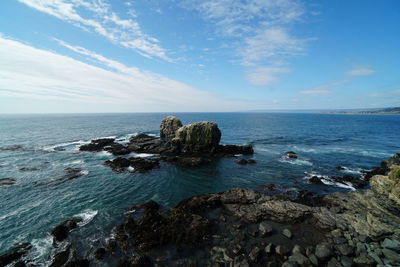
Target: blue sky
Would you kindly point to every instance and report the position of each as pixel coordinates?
(198, 55)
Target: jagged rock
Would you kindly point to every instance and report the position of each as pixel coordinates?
(100, 253)
(61, 231)
(345, 249)
(97, 144)
(7, 181)
(255, 254)
(388, 185)
(169, 126)
(231, 150)
(14, 253)
(117, 149)
(300, 259)
(199, 137)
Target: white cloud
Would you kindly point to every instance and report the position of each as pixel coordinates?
(99, 18)
(259, 31)
(32, 73)
(360, 71)
(324, 88)
(265, 75)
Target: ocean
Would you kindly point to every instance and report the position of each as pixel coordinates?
(37, 149)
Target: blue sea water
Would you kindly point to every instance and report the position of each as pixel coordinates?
(40, 147)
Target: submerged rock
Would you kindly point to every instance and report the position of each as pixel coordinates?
(245, 161)
(291, 155)
(7, 181)
(188, 161)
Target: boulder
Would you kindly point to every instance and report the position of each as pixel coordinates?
(388, 185)
(169, 126)
(16, 252)
(199, 137)
(61, 231)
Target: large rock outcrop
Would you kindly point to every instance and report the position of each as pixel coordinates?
(199, 137)
(169, 126)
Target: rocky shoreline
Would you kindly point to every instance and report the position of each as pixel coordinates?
(238, 227)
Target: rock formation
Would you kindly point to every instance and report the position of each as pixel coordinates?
(169, 126)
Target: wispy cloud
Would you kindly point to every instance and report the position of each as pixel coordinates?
(360, 71)
(32, 73)
(97, 16)
(264, 76)
(260, 31)
(324, 88)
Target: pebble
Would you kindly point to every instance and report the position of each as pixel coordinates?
(268, 249)
(313, 259)
(323, 251)
(333, 263)
(298, 249)
(346, 261)
(281, 250)
(289, 264)
(286, 232)
(299, 258)
(265, 229)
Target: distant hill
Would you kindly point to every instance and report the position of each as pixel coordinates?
(394, 110)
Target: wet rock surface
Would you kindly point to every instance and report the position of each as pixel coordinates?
(14, 253)
(61, 231)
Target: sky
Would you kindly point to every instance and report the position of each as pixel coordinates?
(84, 56)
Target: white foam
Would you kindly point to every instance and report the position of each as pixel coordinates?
(124, 139)
(75, 162)
(349, 170)
(142, 155)
(130, 169)
(40, 248)
(87, 216)
(329, 181)
(84, 172)
(302, 162)
(64, 145)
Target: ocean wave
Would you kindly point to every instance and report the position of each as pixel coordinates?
(87, 216)
(329, 181)
(40, 249)
(62, 146)
(301, 162)
(124, 139)
(75, 162)
(350, 170)
(142, 155)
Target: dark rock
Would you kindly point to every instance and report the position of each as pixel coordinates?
(140, 165)
(282, 250)
(313, 259)
(291, 155)
(346, 261)
(100, 253)
(255, 254)
(140, 261)
(117, 149)
(97, 145)
(391, 255)
(61, 231)
(7, 181)
(323, 251)
(298, 249)
(14, 253)
(72, 173)
(29, 169)
(289, 264)
(299, 259)
(345, 249)
(245, 161)
(341, 168)
(169, 126)
(315, 180)
(61, 257)
(333, 263)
